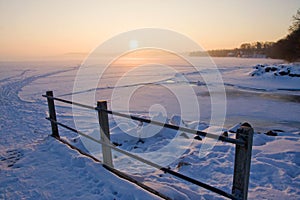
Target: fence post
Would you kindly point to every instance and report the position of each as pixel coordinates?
(104, 132)
(52, 114)
(242, 162)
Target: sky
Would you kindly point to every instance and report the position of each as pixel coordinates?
(39, 28)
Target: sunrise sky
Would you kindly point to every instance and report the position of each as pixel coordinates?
(38, 28)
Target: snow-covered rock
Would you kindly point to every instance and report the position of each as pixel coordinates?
(292, 70)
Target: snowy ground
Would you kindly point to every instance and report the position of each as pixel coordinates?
(35, 166)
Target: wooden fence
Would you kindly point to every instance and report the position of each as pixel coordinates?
(243, 147)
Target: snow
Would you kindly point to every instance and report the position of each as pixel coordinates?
(34, 165)
(52, 171)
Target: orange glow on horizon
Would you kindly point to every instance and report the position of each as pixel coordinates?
(148, 56)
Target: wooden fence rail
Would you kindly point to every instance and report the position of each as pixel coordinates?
(243, 145)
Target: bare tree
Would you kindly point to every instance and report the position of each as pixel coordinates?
(296, 22)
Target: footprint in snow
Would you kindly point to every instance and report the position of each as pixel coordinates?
(11, 157)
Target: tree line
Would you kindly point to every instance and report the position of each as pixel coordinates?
(287, 48)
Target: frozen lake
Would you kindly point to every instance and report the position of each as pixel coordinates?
(264, 103)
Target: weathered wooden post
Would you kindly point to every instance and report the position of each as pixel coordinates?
(104, 132)
(242, 162)
(52, 114)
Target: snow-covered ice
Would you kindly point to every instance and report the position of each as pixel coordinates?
(36, 166)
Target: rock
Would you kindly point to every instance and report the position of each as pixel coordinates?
(140, 141)
(225, 134)
(235, 128)
(267, 69)
(273, 69)
(294, 75)
(117, 144)
(262, 66)
(259, 66)
(197, 137)
(271, 133)
(75, 140)
(278, 130)
(182, 163)
(246, 124)
(283, 72)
